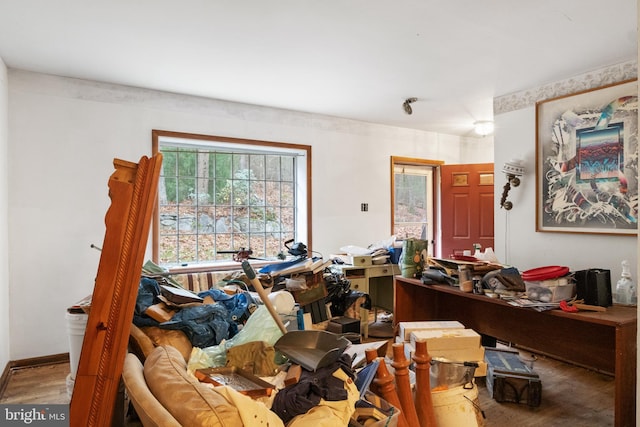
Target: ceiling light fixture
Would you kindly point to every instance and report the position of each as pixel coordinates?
(406, 105)
(483, 127)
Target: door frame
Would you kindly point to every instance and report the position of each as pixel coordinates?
(435, 164)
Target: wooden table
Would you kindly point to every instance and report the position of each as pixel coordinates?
(603, 341)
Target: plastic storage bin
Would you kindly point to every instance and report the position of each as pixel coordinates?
(554, 290)
(387, 411)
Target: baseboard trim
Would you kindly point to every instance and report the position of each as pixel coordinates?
(32, 362)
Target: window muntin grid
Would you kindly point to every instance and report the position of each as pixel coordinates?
(218, 198)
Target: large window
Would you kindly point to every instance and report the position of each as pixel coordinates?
(219, 195)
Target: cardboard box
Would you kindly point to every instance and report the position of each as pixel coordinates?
(481, 370)
(459, 354)
(467, 355)
(405, 328)
(454, 355)
(238, 379)
(447, 339)
(313, 293)
(343, 324)
(318, 310)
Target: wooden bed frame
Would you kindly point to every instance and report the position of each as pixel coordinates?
(133, 190)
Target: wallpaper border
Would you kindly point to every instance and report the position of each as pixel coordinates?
(593, 79)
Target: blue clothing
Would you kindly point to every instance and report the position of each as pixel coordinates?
(148, 291)
(205, 325)
(240, 305)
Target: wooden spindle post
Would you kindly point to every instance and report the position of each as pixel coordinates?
(403, 385)
(423, 402)
(370, 354)
(386, 388)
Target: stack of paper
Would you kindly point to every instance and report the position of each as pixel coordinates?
(380, 256)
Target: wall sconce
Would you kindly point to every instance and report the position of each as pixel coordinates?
(513, 169)
(483, 128)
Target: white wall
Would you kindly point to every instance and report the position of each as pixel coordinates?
(64, 134)
(477, 150)
(4, 227)
(517, 241)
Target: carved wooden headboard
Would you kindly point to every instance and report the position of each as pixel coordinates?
(133, 190)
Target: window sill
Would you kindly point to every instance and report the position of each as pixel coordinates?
(217, 266)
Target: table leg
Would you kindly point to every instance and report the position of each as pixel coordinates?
(625, 377)
(364, 322)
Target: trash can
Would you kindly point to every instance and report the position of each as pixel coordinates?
(457, 406)
(76, 325)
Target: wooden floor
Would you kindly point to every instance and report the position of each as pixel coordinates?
(571, 396)
(39, 385)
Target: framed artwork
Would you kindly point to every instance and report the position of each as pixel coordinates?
(587, 161)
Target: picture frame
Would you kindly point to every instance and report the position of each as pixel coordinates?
(587, 161)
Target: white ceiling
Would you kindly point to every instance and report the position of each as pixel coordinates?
(356, 59)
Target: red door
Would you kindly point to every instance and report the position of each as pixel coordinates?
(466, 193)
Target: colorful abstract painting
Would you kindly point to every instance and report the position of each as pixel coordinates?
(587, 161)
